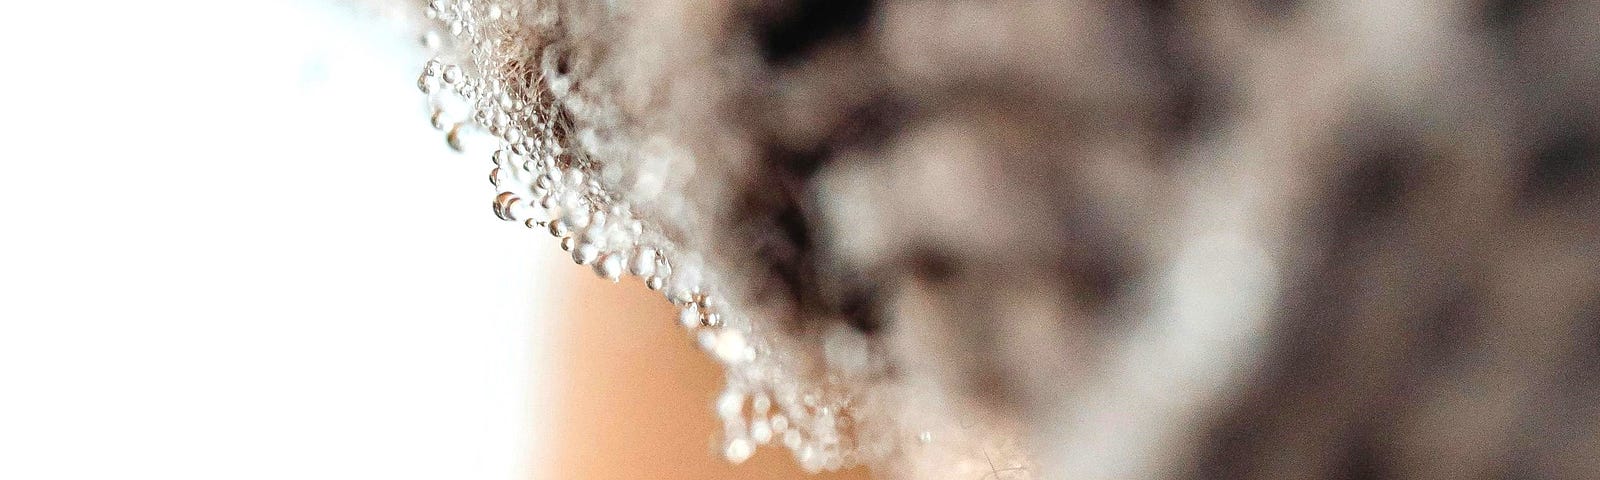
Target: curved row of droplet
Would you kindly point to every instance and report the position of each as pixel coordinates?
(543, 184)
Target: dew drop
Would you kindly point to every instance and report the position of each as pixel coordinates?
(730, 346)
(430, 40)
(503, 204)
(559, 228)
(454, 138)
(791, 438)
(609, 266)
(438, 119)
(810, 459)
(689, 317)
(761, 431)
(707, 340)
(452, 74)
(566, 244)
(643, 262)
(585, 253)
(653, 283)
(730, 404)
(738, 450)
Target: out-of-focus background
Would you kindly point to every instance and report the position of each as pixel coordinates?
(234, 248)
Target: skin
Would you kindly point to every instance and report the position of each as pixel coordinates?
(636, 400)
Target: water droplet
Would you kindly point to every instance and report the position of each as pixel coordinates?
(559, 228)
(706, 340)
(810, 459)
(438, 120)
(689, 317)
(430, 40)
(643, 262)
(609, 266)
(730, 346)
(791, 438)
(452, 74)
(566, 244)
(503, 204)
(780, 423)
(738, 450)
(494, 177)
(925, 437)
(760, 404)
(761, 431)
(585, 253)
(454, 138)
(730, 404)
(653, 283)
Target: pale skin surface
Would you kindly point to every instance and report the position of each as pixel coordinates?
(636, 397)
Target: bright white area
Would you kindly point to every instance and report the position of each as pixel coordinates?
(232, 248)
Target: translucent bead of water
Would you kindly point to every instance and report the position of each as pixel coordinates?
(761, 431)
(730, 405)
(439, 119)
(559, 228)
(810, 458)
(503, 204)
(643, 262)
(454, 138)
(792, 439)
(452, 74)
(609, 266)
(730, 346)
(689, 317)
(738, 450)
(585, 253)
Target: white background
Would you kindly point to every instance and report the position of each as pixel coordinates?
(232, 247)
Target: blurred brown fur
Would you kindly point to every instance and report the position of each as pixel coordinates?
(1235, 239)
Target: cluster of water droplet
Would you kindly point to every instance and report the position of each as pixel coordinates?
(505, 86)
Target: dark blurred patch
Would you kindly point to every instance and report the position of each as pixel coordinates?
(1583, 369)
(803, 25)
(1442, 337)
(1371, 192)
(1563, 165)
(1362, 459)
(1504, 14)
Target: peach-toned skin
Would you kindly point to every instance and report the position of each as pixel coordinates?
(635, 401)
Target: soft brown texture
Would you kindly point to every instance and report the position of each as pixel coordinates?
(1178, 239)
